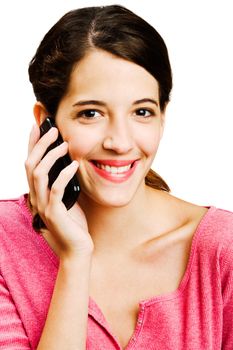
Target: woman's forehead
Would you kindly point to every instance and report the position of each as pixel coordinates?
(101, 72)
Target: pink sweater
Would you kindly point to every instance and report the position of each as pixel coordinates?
(197, 316)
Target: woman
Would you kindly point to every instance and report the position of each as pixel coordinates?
(129, 266)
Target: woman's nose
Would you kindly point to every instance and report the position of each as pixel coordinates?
(118, 138)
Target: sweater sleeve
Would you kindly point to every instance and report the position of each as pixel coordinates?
(12, 333)
(227, 293)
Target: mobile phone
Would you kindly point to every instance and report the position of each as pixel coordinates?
(72, 189)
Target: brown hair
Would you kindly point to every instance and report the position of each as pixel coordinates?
(114, 29)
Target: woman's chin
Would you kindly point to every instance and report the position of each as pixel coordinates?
(117, 203)
(115, 199)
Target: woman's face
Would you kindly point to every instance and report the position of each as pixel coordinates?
(112, 121)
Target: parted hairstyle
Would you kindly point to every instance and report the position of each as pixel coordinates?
(112, 28)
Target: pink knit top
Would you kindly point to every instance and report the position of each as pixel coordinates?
(197, 316)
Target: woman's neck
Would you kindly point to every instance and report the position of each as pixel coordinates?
(122, 227)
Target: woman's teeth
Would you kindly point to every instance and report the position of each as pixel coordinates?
(113, 169)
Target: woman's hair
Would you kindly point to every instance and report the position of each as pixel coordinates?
(114, 29)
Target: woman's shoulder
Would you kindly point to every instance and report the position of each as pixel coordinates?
(209, 217)
(216, 226)
(213, 233)
(221, 220)
(211, 224)
(8, 203)
(14, 211)
(212, 240)
(218, 235)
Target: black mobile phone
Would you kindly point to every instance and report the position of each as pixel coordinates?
(72, 189)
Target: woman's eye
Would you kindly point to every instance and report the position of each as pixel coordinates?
(89, 114)
(143, 112)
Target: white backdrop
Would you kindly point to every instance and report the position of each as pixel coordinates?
(195, 155)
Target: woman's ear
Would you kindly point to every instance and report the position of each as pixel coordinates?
(40, 113)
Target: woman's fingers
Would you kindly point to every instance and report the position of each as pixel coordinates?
(68, 228)
(36, 149)
(40, 175)
(39, 148)
(33, 138)
(58, 188)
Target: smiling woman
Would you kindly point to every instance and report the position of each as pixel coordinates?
(126, 127)
(128, 266)
(50, 84)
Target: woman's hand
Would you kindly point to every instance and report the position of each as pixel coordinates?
(67, 230)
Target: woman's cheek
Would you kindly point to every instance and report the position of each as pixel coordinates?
(148, 141)
(81, 145)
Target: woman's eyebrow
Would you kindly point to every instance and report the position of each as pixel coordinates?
(101, 103)
(89, 102)
(146, 100)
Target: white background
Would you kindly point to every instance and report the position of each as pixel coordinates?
(195, 155)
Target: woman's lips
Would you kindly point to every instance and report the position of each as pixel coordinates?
(114, 162)
(114, 170)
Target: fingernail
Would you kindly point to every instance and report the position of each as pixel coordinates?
(53, 129)
(74, 163)
(34, 126)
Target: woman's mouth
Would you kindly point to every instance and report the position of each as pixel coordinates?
(114, 170)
